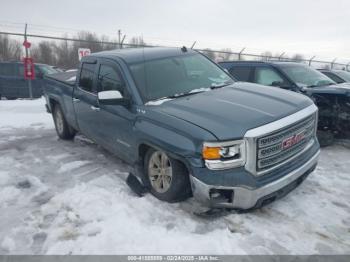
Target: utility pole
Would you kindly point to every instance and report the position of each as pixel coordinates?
(29, 81)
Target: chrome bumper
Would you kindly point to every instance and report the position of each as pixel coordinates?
(246, 198)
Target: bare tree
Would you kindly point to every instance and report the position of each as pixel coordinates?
(9, 49)
(225, 54)
(136, 41)
(45, 53)
(266, 56)
(209, 53)
(297, 58)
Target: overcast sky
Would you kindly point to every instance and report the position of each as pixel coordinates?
(309, 27)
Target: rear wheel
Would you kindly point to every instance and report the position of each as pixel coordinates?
(11, 98)
(167, 178)
(63, 129)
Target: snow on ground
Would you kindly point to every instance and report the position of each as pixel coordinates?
(59, 197)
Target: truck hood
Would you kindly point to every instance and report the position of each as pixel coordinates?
(230, 111)
(337, 89)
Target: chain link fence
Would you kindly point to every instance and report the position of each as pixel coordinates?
(63, 51)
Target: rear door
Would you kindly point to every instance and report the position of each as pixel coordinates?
(10, 80)
(85, 101)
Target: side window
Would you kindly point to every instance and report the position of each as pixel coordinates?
(334, 77)
(7, 69)
(109, 79)
(87, 77)
(241, 73)
(268, 77)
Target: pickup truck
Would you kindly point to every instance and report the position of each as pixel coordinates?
(332, 99)
(12, 82)
(186, 127)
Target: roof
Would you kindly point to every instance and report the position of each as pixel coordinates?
(20, 62)
(135, 55)
(262, 62)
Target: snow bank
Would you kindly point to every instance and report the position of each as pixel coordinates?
(70, 197)
(24, 113)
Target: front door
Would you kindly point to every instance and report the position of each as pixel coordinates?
(116, 121)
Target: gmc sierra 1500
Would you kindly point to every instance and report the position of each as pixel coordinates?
(187, 127)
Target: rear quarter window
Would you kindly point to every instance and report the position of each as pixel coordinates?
(241, 73)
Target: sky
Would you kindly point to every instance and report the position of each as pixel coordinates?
(308, 27)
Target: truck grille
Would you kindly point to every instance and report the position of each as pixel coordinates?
(280, 146)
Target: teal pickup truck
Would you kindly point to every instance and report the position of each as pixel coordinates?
(186, 127)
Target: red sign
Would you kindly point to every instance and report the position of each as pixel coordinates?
(293, 140)
(27, 44)
(29, 72)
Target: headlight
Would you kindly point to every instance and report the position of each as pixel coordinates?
(223, 155)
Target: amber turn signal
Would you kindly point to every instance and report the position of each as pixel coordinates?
(209, 153)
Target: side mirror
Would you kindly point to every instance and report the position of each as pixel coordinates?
(112, 97)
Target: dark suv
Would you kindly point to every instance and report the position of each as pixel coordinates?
(12, 82)
(332, 99)
(338, 76)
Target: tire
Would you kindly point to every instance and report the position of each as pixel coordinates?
(172, 183)
(11, 98)
(325, 138)
(64, 131)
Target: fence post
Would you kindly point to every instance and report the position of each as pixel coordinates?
(280, 57)
(193, 44)
(312, 58)
(240, 53)
(332, 64)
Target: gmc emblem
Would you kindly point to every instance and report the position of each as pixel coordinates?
(293, 140)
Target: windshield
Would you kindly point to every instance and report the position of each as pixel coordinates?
(345, 75)
(305, 76)
(172, 76)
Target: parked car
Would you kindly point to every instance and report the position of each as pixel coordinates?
(338, 76)
(12, 82)
(186, 127)
(333, 100)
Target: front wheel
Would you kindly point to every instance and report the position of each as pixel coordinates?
(168, 178)
(64, 131)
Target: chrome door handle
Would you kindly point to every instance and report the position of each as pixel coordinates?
(94, 108)
(76, 100)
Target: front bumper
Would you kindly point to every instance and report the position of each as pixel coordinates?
(242, 197)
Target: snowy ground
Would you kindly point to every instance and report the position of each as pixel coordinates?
(59, 197)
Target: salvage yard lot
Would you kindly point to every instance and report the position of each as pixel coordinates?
(59, 197)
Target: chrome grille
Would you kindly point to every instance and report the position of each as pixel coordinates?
(276, 148)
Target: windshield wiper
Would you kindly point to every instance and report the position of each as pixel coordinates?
(216, 86)
(328, 84)
(185, 94)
